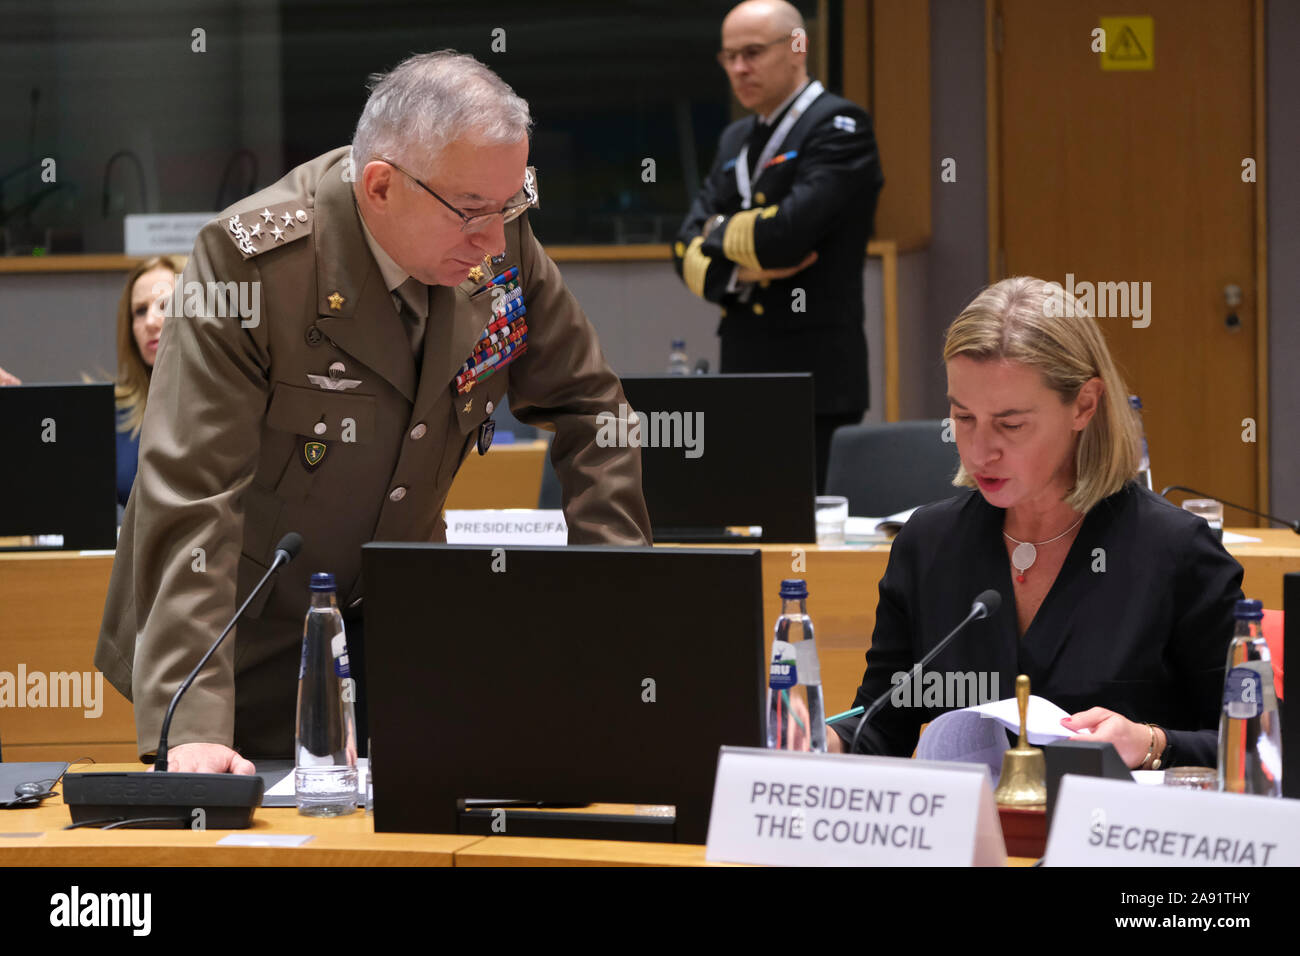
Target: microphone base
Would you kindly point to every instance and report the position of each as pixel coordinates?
(164, 801)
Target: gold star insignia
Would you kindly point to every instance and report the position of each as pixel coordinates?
(476, 274)
(336, 301)
(468, 405)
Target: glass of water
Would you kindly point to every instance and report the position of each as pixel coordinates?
(832, 517)
(1192, 778)
(1210, 510)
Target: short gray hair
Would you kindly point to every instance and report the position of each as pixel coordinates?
(429, 100)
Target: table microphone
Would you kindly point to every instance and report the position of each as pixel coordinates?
(162, 800)
(986, 605)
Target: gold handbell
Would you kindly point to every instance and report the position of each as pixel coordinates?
(1024, 771)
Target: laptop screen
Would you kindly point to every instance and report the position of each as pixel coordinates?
(569, 674)
(60, 473)
(726, 457)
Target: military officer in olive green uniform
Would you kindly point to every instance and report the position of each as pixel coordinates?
(390, 295)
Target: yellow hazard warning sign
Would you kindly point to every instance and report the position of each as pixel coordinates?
(1130, 43)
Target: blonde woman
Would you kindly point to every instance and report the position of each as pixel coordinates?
(1117, 604)
(140, 314)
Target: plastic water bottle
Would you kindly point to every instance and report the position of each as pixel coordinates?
(1144, 466)
(325, 763)
(1250, 734)
(796, 714)
(678, 362)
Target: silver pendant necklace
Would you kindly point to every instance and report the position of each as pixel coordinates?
(1026, 552)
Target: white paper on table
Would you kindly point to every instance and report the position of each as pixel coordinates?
(265, 839)
(978, 734)
(284, 787)
(876, 528)
(1149, 777)
(863, 529)
(1231, 537)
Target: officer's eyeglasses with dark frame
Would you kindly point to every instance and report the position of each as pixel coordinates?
(748, 53)
(520, 203)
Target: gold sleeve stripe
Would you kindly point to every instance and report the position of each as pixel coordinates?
(695, 264)
(738, 240)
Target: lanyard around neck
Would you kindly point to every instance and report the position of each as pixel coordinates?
(810, 93)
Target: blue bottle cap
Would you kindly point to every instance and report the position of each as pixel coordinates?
(322, 581)
(794, 588)
(1250, 610)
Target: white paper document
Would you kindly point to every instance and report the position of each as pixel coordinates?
(1231, 537)
(265, 839)
(875, 529)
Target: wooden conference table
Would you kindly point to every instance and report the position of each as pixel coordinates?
(35, 837)
(51, 604)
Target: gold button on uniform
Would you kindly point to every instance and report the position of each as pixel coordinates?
(397, 494)
(760, 198)
(758, 308)
(418, 431)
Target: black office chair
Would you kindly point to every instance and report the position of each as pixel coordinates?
(507, 422)
(887, 468)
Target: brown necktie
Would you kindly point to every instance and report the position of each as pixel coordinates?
(412, 298)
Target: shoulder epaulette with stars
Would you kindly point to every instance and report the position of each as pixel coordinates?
(254, 231)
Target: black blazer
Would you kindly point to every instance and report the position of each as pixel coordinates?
(1147, 637)
(821, 198)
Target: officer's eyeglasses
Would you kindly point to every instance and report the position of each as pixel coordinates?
(748, 53)
(520, 203)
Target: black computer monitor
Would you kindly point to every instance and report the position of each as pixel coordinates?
(722, 452)
(572, 675)
(60, 473)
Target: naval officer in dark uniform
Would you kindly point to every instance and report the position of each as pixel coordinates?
(778, 232)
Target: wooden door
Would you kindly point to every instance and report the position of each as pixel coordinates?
(1136, 175)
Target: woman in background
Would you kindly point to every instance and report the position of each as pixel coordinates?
(140, 314)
